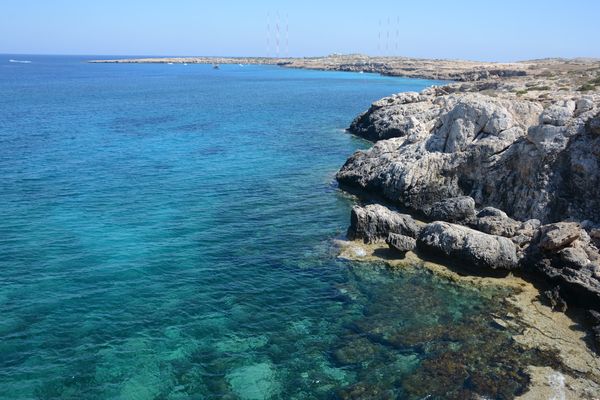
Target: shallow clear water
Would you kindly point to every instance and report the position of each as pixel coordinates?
(166, 233)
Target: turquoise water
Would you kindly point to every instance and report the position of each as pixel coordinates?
(166, 233)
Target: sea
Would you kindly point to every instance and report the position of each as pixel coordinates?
(169, 232)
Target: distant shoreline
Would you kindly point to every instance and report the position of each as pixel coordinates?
(450, 70)
(435, 69)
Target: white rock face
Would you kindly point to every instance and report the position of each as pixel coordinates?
(519, 160)
(469, 246)
(516, 155)
(374, 222)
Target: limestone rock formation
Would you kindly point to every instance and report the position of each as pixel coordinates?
(532, 168)
(566, 256)
(515, 155)
(374, 222)
(558, 236)
(496, 222)
(454, 209)
(468, 245)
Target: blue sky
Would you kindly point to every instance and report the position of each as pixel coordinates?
(482, 30)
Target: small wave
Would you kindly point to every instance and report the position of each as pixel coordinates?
(20, 61)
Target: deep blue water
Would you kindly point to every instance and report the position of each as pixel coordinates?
(166, 233)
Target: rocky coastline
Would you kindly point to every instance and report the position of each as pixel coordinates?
(452, 70)
(499, 180)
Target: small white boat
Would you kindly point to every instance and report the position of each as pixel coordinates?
(170, 63)
(241, 65)
(20, 61)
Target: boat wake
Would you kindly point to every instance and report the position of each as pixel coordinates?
(20, 61)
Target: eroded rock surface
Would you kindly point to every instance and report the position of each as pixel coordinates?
(401, 243)
(531, 168)
(454, 209)
(374, 222)
(468, 245)
(565, 255)
(515, 155)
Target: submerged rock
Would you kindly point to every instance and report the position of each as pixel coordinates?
(354, 352)
(468, 245)
(254, 382)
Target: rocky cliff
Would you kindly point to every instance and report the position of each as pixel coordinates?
(505, 182)
(516, 155)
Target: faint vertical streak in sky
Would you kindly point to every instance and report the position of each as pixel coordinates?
(379, 38)
(277, 34)
(398, 36)
(268, 34)
(287, 35)
(387, 41)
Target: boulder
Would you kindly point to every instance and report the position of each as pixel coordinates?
(574, 257)
(497, 225)
(374, 222)
(566, 256)
(559, 235)
(491, 212)
(468, 245)
(579, 287)
(530, 227)
(583, 105)
(454, 209)
(401, 243)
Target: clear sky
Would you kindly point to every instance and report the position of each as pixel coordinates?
(497, 30)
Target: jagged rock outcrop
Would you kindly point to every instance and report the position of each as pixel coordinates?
(469, 246)
(495, 222)
(515, 155)
(395, 116)
(374, 222)
(527, 165)
(566, 256)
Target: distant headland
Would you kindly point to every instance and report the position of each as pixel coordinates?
(575, 71)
